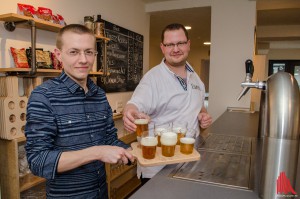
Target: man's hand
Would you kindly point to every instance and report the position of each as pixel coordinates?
(130, 114)
(113, 154)
(205, 120)
(128, 119)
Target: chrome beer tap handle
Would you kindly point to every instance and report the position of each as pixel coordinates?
(247, 84)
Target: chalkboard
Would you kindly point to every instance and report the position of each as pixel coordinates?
(124, 59)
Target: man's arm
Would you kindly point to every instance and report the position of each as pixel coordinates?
(109, 154)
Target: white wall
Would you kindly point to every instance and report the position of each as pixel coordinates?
(129, 14)
(232, 37)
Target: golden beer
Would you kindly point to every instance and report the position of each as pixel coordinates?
(158, 132)
(149, 147)
(180, 133)
(141, 126)
(158, 139)
(168, 143)
(187, 145)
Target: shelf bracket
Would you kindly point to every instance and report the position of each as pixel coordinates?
(11, 26)
(33, 47)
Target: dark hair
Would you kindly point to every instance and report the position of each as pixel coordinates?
(174, 26)
(75, 28)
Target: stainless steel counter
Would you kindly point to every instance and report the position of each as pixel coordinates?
(179, 181)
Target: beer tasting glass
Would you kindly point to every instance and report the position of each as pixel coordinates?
(187, 142)
(159, 129)
(148, 143)
(180, 128)
(141, 126)
(168, 142)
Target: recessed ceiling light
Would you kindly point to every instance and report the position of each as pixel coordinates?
(207, 43)
(188, 27)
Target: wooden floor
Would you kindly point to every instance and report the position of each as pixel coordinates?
(37, 192)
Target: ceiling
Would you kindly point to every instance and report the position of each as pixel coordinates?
(198, 18)
(277, 21)
(277, 25)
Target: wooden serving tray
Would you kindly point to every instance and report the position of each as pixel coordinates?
(162, 160)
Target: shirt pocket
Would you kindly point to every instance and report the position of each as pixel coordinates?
(70, 124)
(72, 132)
(98, 122)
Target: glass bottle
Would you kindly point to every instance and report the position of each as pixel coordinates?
(89, 22)
(99, 26)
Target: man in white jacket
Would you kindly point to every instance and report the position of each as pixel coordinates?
(171, 91)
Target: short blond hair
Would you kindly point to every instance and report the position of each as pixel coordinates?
(75, 28)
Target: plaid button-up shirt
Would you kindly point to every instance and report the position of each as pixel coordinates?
(62, 117)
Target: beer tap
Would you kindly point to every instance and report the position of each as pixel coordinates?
(279, 130)
(247, 84)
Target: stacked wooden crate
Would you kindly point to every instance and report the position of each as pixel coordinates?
(14, 93)
(13, 104)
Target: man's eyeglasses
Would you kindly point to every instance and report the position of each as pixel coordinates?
(179, 45)
(76, 53)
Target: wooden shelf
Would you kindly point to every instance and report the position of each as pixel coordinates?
(102, 38)
(118, 172)
(94, 74)
(124, 184)
(28, 69)
(29, 180)
(39, 23)
(40, 72)
(21, 139)
(122, 191)
(129, 187)
(43, 25)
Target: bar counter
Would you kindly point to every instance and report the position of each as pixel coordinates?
(164, 186)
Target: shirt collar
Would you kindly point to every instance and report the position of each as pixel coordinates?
(73, 86)
(183, 82)
(187, 66)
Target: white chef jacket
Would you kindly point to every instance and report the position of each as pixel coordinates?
(162, 96)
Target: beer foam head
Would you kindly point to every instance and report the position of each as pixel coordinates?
(158, 131)
(141, 121)
(168, 138)
(149, 141)
(187, 140)
(179, 130)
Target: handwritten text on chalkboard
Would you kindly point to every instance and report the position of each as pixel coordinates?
(124, 59)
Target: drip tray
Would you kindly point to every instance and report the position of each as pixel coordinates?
(227, 143)
(217, 168)
(225, 160)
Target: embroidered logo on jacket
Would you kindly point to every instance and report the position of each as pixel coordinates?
(195, 87)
